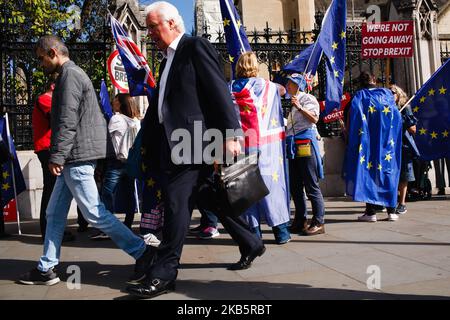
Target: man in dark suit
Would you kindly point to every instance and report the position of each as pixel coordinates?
(192, 93)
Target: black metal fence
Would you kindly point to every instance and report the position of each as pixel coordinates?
(445, 50)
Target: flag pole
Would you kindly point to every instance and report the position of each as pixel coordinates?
(407, 103)
(13, 173)
(136, 197)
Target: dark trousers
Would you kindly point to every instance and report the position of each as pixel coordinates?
(303, 175)
(371, 209)
(49, 183)
(180, 185)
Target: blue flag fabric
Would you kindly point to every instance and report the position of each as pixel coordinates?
(373, 157)
(105, 102)
(331, 42)
(7, 176)
(140, 78)
(236, 38)
(431, 106)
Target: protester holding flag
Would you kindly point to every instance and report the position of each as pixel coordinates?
(372, 161)
(258, 104)
(409, 148)
(79, 137)
(305, 162)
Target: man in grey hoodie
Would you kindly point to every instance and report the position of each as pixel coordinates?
(79, 138)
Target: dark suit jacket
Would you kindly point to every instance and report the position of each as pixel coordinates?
(196, 90)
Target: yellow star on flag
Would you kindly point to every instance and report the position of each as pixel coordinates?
(150, 183)
(361, 131)
(380, 167)
(369, 165)
(274, 122)
(159, 194)
(360, 147)
(442, 90)
(336, 74)
(275, 176)
(422, 100)
(392, 143)
(434, 135)
(231, 58)
(362, 159)
(343, 81)
(226, 22)
(334, 45)
(332, 59)
(343, 34)
(5, 175)
(422, 131)
(239, 24)
(264, 109)
(144, 167)
(5, 186)
(445, 134)
(364, 117)
(431, 92)
(388, 157)
(386, 110)
(416, 109)
(372, 109)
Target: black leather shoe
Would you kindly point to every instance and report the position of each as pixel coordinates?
(246, 261)
(151, 289)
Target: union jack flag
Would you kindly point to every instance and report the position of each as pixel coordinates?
(140, 77)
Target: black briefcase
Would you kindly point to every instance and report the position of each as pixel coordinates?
(233, 189)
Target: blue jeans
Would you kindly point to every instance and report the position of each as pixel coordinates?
(303, 174)
(77, 181)
(281, 232)
(116, 178)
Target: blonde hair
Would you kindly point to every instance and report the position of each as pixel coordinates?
(247, 65)
(402, 96)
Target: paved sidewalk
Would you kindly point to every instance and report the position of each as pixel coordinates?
(412, 256)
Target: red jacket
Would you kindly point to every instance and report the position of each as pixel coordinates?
(41, 122)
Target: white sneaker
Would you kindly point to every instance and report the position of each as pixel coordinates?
(151, 240)
(392, 217)
(367, 218)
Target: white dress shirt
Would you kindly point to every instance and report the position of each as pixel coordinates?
(169, 54)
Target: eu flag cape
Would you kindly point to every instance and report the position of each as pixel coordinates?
(373, 158)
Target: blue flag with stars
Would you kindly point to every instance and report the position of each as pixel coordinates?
(431, 106)
(330, 43)
(7, 187)
(105, 103)
(373, 157)
(237, 42)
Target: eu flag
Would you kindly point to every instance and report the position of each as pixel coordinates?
(7, 186)
(237, 42)
(431, 106)
(373, 157)
(105, 103)
(331, 43)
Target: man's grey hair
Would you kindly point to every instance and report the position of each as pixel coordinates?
(52, 42)
(166, 11)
